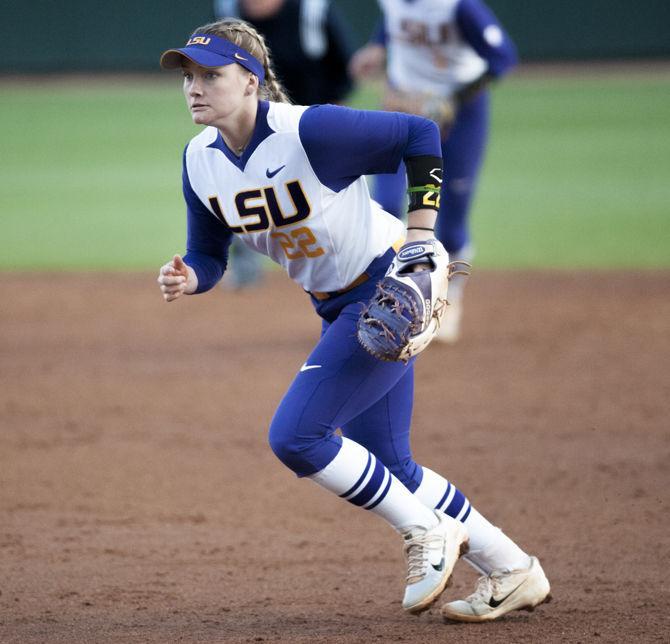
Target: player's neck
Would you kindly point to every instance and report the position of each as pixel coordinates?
(238, 129)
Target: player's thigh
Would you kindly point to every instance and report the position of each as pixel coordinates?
(338, 381)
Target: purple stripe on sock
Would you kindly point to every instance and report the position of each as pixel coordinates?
(372, 486)
(456, 504)
(382, 495)
(444, 498)
(360, 480)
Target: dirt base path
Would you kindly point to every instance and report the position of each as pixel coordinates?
(139, 501)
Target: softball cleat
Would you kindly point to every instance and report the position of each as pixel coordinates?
(501, 592)
(431, 557)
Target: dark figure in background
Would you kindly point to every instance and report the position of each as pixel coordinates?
(309, 43)
(311, 54)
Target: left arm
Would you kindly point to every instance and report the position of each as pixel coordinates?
(343, 144)
(419, 225)
(424, 178)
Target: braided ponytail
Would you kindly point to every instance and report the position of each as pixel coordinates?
(243, 35)
(273, 88)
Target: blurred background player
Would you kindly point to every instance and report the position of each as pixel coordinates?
(440, 57)
(311, 53)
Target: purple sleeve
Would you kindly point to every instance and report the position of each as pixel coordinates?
(485, 35)
(343, 144)
(207, 239)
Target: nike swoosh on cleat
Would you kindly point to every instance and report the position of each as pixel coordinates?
(306, 366)
(270, 174)
(440, 566)
(494, 603)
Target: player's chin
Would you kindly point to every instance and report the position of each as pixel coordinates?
(200, 117)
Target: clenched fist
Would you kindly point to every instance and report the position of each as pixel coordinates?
(176, 278)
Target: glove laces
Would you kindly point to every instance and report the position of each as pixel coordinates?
(458, 267)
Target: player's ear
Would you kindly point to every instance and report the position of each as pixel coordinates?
(252, 85)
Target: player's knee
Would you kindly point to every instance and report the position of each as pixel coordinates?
(293, 448)
(459, 187)
(305, 450)
(284, 446)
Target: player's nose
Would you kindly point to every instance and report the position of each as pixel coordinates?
(194, 88)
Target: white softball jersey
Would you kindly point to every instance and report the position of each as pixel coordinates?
(297, 194)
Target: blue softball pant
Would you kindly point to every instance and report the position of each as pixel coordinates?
(342, 386)
(462, 152)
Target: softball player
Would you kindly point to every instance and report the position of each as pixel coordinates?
(440, 56)
(288, 181)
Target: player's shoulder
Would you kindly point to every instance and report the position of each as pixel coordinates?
(201, 140)
(283, 117)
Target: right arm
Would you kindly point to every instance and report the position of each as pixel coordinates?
(207, 245)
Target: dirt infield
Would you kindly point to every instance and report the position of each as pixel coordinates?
(139, 501)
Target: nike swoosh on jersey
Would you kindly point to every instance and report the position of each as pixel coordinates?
(306, 367)
(269, 174)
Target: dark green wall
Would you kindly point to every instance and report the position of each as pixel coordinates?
(573, 29)
(46, 36)
(93, 34)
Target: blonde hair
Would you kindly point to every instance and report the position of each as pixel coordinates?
(244, 35)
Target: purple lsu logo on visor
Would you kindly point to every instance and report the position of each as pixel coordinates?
(211, 51)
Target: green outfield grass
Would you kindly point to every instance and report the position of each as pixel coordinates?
(577, 175)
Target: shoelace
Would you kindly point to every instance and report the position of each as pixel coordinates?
(416, 551)
(487, 586)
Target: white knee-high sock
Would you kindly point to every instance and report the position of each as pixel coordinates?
(358, 476)
(490, 548)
